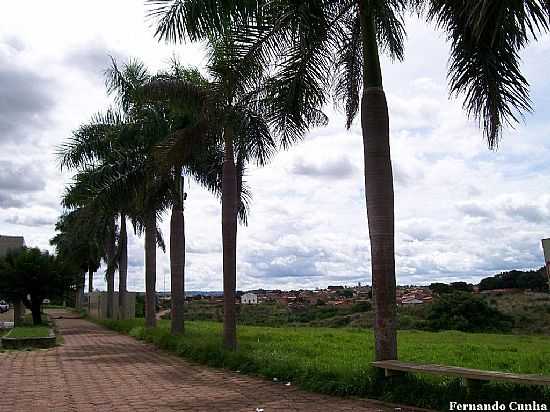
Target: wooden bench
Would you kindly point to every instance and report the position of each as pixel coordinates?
(470, 376)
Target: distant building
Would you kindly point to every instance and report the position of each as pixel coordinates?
(8, 243)
(337, 287)
(249, 299)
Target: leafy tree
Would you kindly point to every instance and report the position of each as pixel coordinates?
(323, 47)
(465, 312)
(345, 293)
(30, 275)
(440, 288)
(462, 286)
(517, 279)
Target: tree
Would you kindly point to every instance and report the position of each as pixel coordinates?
(517, 279)
(128, 176)
(117, 183)
(323, 47)
(79, 241)
(89, 146)
(440, 288)
(466, 312)
(234, 117)
(32, 273)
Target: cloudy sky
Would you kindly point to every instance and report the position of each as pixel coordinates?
(463, 212)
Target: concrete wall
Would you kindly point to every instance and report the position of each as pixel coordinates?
(97, 305)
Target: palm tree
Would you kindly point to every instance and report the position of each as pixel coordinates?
(92, 146)
(119, 151)
(152, 189)
(233, 117)
(324, 47)
(79, 241)
(184, 147)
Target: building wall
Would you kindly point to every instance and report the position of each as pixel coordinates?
(97, 305)
(8, 243)
(249, 299)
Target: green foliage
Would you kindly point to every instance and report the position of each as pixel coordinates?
(345, 293)
(337, 361)
(440, 288)
(465, 312)
(361, 307)
(140, 305)
(79, 238)
(38, 274)
(516, 279)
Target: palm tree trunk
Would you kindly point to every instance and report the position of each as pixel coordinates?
(229, 241)
(379, 192)
(177, 261)
(110, 275)
(36, 307)
(18, 312)
(80, 293)
(123, 270)
(90, 280)
(150, 270)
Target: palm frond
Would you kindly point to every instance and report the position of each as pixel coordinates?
(348, 80)
(179, 20)
(90, 142)
(486, 37)
(390, 28)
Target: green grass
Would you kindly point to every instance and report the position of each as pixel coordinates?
(29, 332)
(337, 361)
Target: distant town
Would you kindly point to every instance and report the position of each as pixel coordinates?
(334, 295)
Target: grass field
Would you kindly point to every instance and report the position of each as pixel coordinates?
(337, 361)
(30, 332)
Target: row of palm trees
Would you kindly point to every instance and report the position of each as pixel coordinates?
(273, 66)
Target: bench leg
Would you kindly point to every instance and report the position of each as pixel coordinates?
(389, 373)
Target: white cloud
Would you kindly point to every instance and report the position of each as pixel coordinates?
(462, 212)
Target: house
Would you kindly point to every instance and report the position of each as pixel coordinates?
(249, 299)
(8, 243)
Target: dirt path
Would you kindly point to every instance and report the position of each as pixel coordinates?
(100, 370)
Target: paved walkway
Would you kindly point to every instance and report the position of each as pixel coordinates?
(100, 370)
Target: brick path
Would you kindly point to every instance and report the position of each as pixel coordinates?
(100, 370)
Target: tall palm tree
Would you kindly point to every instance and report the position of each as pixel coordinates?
(197, 154)
(235, 118)
(138, 198)
(93, 146)
(153, 190)
(323, 47)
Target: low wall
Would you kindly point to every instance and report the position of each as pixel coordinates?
(22, 343)
(97, 305)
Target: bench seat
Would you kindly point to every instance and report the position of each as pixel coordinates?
(392, 366)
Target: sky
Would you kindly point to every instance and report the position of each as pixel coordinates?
(463, 212)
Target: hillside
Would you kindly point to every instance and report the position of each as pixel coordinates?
(529, 313)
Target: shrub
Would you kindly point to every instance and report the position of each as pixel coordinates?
(361, 307)
(465, 312)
